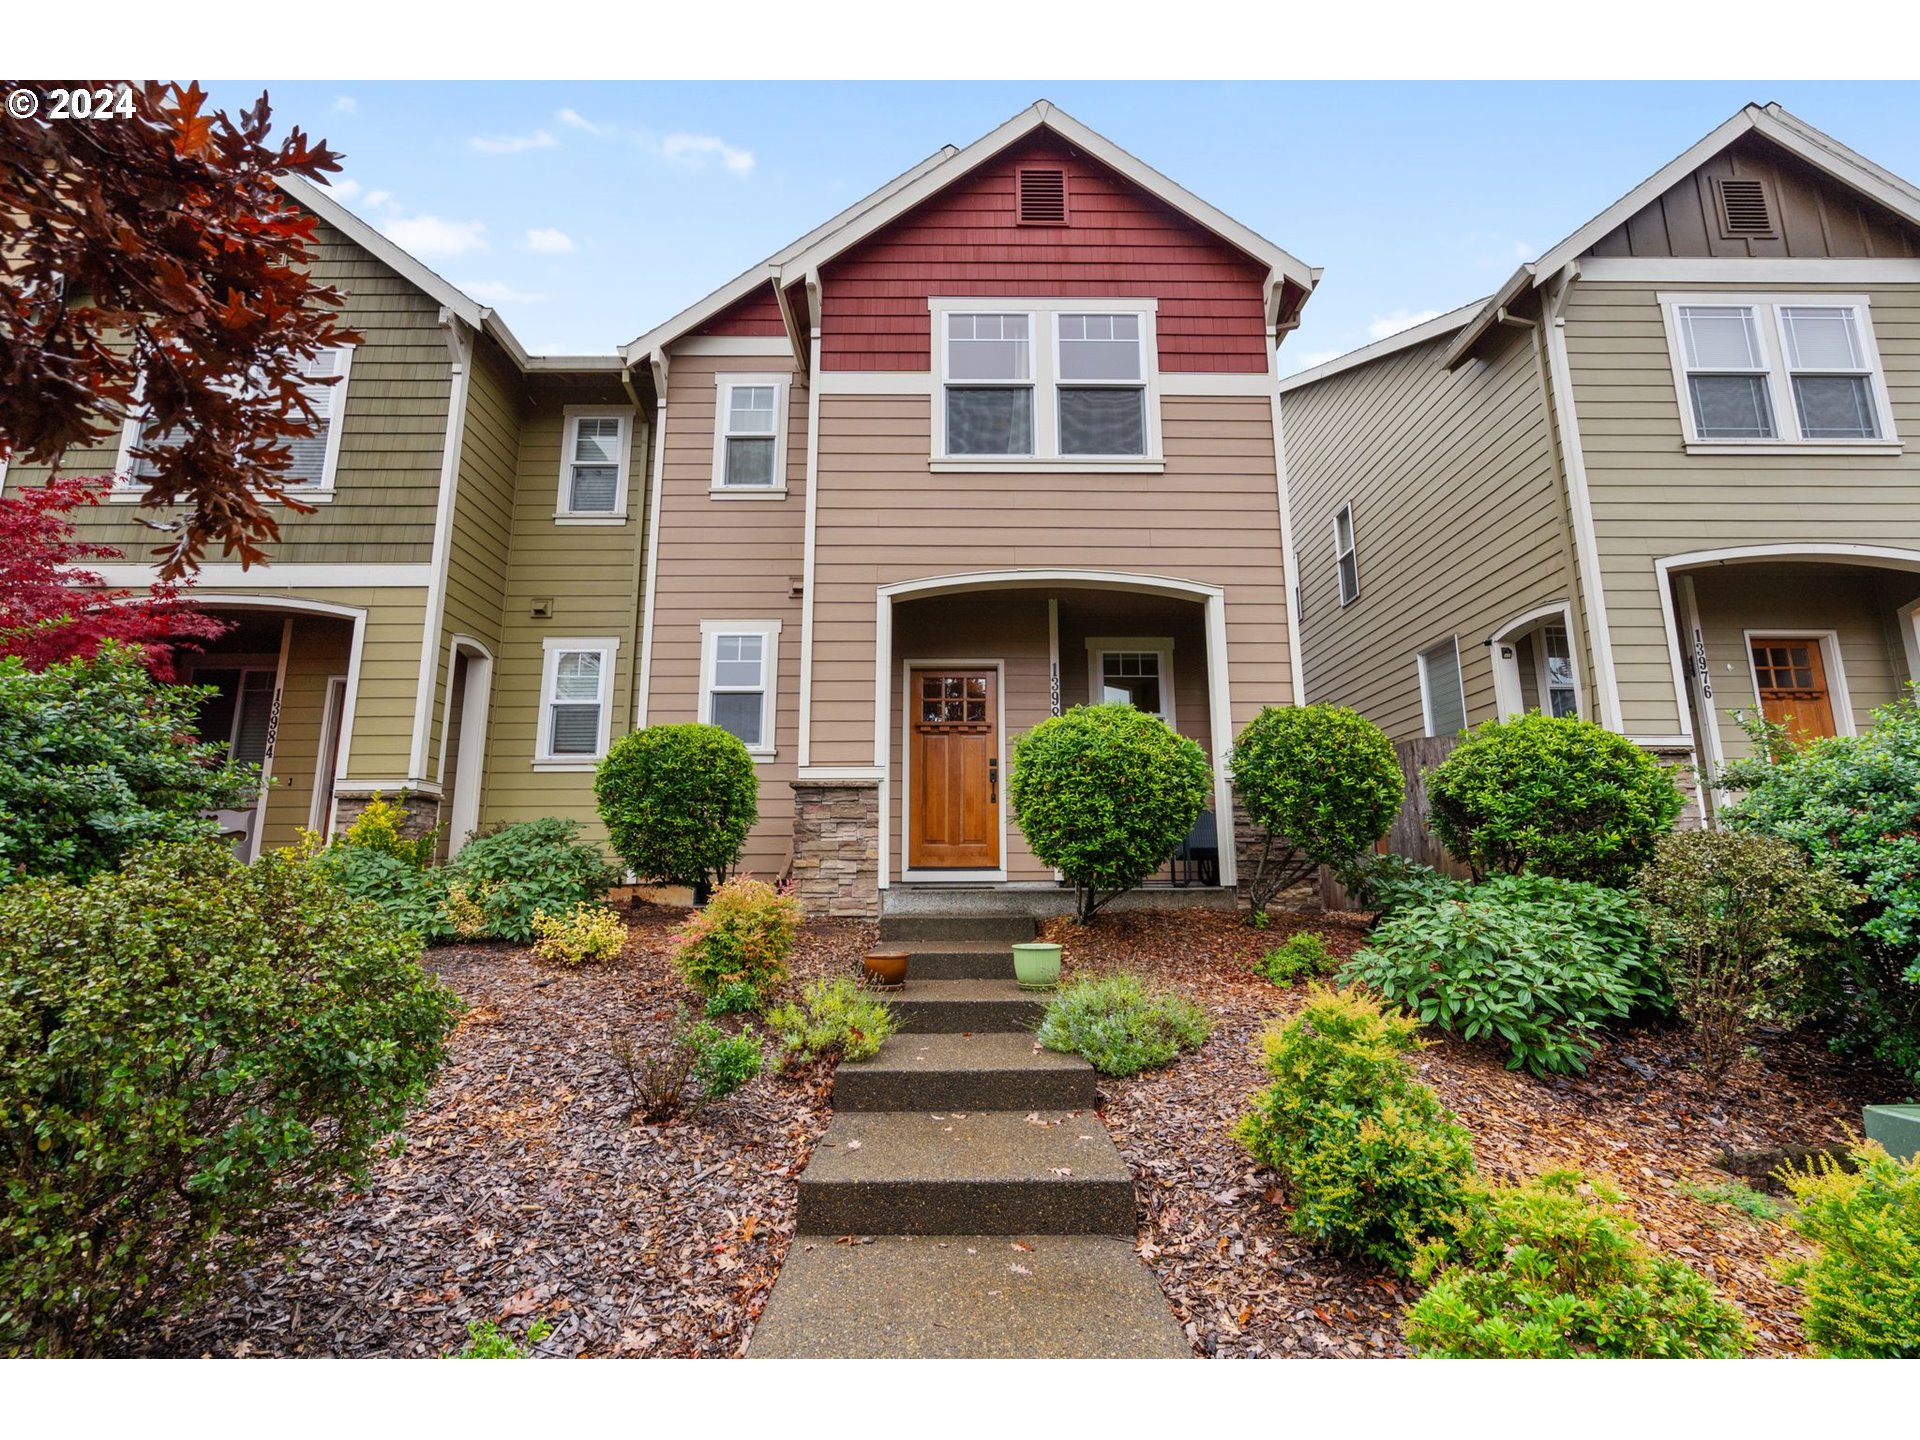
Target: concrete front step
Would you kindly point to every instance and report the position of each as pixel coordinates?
(974, 1173)
(959, 959)
(967, 1296)
(970, 1006)
(935, 1072)
(1036, 899)
(920, 926)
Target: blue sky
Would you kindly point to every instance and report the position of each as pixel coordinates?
(588, 212)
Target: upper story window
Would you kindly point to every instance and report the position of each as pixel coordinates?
(594, 455)
(748, 441)
(1066, 382)
(739, 660)
(312, 460)
(1778, 370)
(1346, 558)
(576, 689)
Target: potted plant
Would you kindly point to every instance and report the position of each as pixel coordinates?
(1036, 965)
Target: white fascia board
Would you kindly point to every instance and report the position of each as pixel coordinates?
(1404, 340)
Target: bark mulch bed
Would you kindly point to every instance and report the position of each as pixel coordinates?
(1212, 1224)
(525, 1193)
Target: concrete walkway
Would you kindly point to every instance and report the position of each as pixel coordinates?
(966, 1200)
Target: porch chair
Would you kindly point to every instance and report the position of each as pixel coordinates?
(1199, 853)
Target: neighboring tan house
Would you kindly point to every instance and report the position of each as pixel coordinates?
(996, 440)
(1658, 478)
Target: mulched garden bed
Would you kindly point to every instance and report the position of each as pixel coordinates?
(1213, 1224)
(525, 1193)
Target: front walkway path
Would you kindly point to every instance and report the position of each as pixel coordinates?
(966, 1200)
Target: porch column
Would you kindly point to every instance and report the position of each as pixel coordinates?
(1220, 726)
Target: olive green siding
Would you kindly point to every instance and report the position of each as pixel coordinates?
(321, 647)
(1459, 520)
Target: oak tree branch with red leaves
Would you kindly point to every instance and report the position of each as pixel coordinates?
(154, 262)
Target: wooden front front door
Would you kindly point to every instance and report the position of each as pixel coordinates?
(953, 813)
(1790, 674)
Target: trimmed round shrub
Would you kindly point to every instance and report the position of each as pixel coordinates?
(1370, 1158)
(1120, 1027)
(1852, 804)
(1552, 1269)
(1538, 963)
(1551, 795)
(518, 872)
(1860, 1293)
(740, 940)
(189, 1047)
(1321, 782)
(1104, 794)
(678, 801)
(94, 762)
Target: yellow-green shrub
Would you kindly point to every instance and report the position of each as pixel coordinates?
(584, 935)
(380, 828)
(743, 936)
(1861, 1293)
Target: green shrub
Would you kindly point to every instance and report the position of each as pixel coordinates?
(678, 801)
(1104, 794)
(742, 936)
(94, 763)
(584, 935)
(486, 1341)
(834, 1020)
(1551, 796)
(722, 1063)
(1735, 918)
(381, 827)
(1370, 1158)
(1387, 884)
(1302, 954)
(189, 1047)
(735, 997)
(1542, 1270)
(1851, 803)
(1321, 783)
(1536, 962)
(415, 900)
(1120, 1027)
(714, 1062)
(1860, 1294)
(518, 871)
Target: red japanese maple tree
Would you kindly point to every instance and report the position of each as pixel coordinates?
(52, 608)
(153, 261)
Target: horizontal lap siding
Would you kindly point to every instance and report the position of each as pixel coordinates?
(1458, 519)
(1651, 499)
(730, 559)
(1118, 242)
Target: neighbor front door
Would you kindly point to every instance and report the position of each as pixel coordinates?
(953, 796)
(1791, 675)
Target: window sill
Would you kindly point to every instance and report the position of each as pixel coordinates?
(1794, 447)
(761, 757)
(741, 492)
(589, 519)
(133, 497)
(1133, 465)
(584, 767)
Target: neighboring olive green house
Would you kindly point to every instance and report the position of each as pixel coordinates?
(399, 640)
(1658, 478)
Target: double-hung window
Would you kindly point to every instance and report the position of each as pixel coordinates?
(576, 688)
(1778, 370)
(1443, 699)
(594, 454)
(738, 665)
(1048, 382)
(1346, 558)
(749, 436)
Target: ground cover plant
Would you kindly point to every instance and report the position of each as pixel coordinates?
(737, 944)
(1321, 783)
(833, 1020)
(1302, 954)
(678, 801)
(1119, 1026)
(1861, 1288)
(1551, 796)
(1104, 794)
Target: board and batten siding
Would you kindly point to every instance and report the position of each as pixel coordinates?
(1651, 499)
(1459, 521)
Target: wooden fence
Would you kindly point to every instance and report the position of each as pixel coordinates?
(1408, 835)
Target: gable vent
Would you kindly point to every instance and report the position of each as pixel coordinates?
(1746, 212)
(1043, 197)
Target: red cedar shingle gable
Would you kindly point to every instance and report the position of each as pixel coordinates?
(967, 240)
(755, 314)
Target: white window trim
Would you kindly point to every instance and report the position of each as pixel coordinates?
(710, 632)
(127, 491)
(1352, 549)
(1101, 646)
(608, 648)
(1838, 696)
(724, 383)
(571, 417)
(1043, 328)
(1426, 690)
(1786, 416)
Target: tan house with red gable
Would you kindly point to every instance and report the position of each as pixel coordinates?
(994, 442)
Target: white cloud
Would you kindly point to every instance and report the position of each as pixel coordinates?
(512, 144)
(430, 235)
(696, 152)
(575, 120)
(345, 188)
(346, 104)
(545, 240)
(379, 199)
(498, 292)
(1381, 326)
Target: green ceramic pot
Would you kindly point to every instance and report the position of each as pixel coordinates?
(1036, 965)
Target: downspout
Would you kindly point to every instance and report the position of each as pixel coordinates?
(808, 538)
(644, 444)
(658, 361)
(1289, 565)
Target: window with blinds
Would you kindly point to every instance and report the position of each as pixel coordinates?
(1783, 370)
(574, 700)
(1102, 385)
(753, 430)
(1346, 558)
(593, 467)
(312, 459)
(1442, 697)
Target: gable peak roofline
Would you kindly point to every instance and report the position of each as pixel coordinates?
(1772, 122)
(803, 258)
